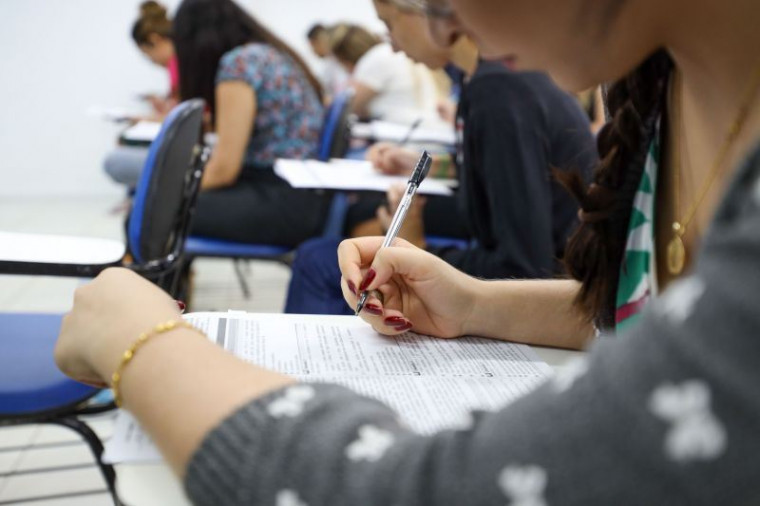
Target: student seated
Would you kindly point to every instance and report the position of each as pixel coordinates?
(334, 77)
(516, 129)
(666, 413)
(265, 105)
(151, 33)
(387, 84)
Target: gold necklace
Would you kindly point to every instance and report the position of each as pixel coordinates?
(676, 249)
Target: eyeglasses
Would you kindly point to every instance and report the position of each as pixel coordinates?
(432, 11)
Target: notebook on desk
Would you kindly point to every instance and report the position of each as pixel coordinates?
(441, 133)
(351, 175)
(432, 383)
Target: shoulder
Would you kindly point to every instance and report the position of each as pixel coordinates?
(380, 54)
(501, 83)
(248, 53)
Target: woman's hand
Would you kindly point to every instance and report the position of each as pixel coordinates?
(413, 229)
(419, 290)
(392, 160)
(108, 316)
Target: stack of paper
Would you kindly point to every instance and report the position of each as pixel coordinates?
(432, 383)
(350, 175)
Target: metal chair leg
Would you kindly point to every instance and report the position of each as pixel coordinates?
(96, 447)
(241, 278)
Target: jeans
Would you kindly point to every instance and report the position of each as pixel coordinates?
(315, 283)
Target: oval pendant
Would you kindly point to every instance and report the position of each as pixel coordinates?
(676, 256)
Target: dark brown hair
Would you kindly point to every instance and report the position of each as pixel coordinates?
(594, 254)
(204, 30)
(153, 19)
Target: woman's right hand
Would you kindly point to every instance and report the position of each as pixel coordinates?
(419, 290)
(392, 160)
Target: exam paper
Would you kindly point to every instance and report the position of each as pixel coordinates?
(350, 175)
(443, 134)
(142, 131)
(432, 383)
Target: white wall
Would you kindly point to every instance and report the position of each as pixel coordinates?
(59, 58)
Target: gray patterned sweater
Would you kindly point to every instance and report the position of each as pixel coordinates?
(667, 415)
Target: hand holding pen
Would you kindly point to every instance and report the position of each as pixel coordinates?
(418, 176)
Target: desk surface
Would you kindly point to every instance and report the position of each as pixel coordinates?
(155, 485)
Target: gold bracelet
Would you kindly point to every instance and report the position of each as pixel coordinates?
(128, 355)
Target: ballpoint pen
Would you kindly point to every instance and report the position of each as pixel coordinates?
(413, 128)
(418, 176)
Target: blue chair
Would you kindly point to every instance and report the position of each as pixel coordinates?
(32, 389)
(333, 143)
(157, 226)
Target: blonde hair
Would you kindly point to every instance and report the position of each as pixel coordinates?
(349, 43)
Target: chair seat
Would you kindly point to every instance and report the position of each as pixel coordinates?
(58, 249)
(446, 242)
(204, 247)
(30, 382)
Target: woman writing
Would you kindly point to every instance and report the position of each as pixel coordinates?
(265, 104)
(151, 32)
(672, 402)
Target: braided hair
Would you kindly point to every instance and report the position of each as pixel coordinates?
(595, 252)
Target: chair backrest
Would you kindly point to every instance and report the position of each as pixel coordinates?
(336, 134)
(160, 197)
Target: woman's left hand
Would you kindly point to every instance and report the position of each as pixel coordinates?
(108, 315)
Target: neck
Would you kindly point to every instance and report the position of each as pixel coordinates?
(464, 54)
(716, 47)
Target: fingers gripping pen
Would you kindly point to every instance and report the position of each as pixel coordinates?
(418, 176)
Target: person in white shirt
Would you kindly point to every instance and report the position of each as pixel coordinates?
(387, 84)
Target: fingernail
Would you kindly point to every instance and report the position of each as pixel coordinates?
(368, 279)
(352, 287)
(181, 305)
(374, 309)
(404, 328)
(395, 321)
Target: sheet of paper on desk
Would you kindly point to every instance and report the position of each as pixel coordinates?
(443, 134)
(142, 131)
(350, 175)
(432, 383)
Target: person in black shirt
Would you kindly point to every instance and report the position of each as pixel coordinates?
(514, 129)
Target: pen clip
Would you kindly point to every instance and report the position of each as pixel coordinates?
(422, 169)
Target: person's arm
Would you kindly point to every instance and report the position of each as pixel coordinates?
(395, 160)
(363, 96)
(672, 403)
(507, 157)
(235, 117)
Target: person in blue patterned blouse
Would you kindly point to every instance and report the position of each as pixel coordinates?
(265, 104)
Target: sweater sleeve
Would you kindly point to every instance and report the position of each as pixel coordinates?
(667, 414)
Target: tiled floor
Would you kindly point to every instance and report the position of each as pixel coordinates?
(50, 466)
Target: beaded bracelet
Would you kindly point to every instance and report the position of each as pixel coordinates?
(128, 355)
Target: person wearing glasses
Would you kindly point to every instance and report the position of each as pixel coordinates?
(665, 413)
(515, 130)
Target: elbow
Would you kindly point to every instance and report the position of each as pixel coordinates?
(219, 178)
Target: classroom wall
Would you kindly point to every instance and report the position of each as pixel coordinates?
(59, 58)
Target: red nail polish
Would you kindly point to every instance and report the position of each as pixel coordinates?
(181, 305)
(374, 309)
(395, 321)
(352, 287)
(368, 279)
